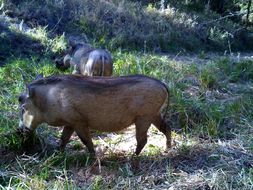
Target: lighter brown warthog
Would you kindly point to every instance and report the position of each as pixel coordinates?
(80, 103)
(95, 63)
(87, 61)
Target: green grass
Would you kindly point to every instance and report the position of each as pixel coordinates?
(13, 78)
(203, 108)
(132, 25)
(237, 71)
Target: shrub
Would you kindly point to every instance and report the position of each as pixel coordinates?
(132, 25)
(237, 71)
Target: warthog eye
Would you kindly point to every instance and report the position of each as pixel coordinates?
(22, 98)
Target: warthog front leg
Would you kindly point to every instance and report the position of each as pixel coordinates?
(66, 134)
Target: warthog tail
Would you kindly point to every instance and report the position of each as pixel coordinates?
(103, 66)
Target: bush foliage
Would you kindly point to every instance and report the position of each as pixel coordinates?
(135, 25)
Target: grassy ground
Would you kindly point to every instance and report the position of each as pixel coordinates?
(210, 113)
(211, 107)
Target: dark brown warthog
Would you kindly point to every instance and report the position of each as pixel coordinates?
(87, 61)
(81, 103)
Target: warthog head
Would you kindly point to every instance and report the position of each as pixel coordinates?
(27, 113)
(27, 109)
(63, 63)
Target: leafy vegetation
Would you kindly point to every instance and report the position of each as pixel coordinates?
(145, 27)
(211, 103)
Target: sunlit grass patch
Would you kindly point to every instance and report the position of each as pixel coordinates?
(15, 74)
(209, 76)
(56, 44)
(236, 70)
(199, 93)
(152, 65)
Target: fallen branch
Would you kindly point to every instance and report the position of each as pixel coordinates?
(224, 17)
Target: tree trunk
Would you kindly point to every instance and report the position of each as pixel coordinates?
(248, 12)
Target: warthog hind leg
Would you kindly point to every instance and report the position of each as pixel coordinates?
(142, 126)
(84, 134)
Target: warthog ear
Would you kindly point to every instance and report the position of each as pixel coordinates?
(39, 76)
(31, 92)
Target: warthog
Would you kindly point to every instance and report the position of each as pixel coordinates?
(80, 103)
(87, 61)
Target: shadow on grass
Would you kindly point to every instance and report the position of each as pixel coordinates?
(114, 166)
(15, 44)
(197, 158)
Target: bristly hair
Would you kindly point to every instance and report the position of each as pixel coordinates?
(94, 82)
(86, 80)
